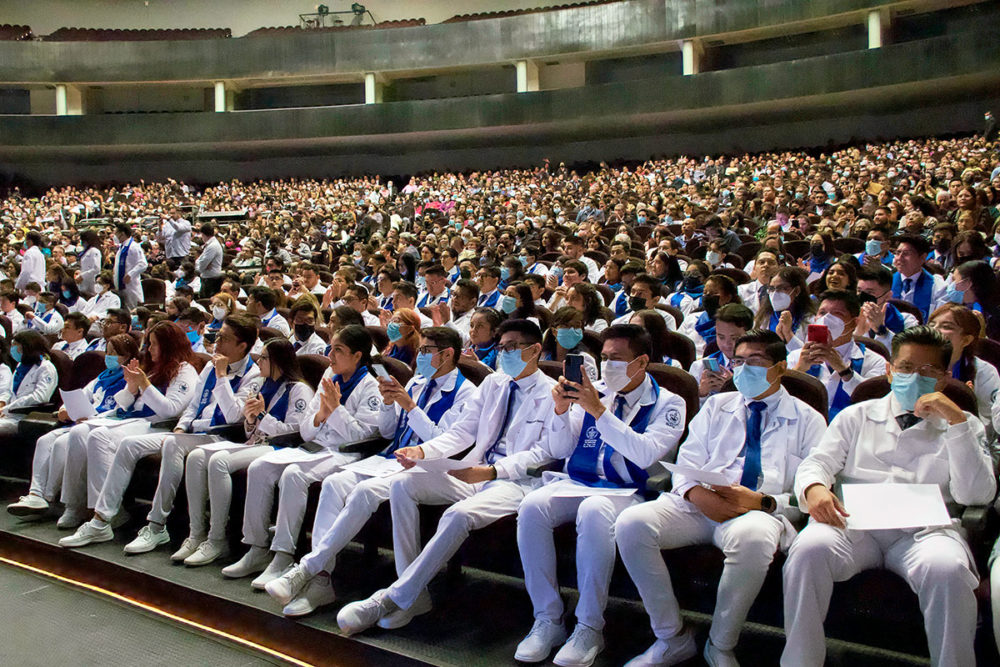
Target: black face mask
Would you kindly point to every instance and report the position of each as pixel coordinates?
(636, 303)
(691, 283)
(865, 297)
(942, 246)
(818, 250)
(304, 331)
(710, 302)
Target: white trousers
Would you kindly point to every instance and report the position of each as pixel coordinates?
(540, 512)
(90, 451)
(48, 464)
(346, 503)
(475, 506)
(208, 480)
(936, 566)
(748, 542)
(292, 470)
(8, 424)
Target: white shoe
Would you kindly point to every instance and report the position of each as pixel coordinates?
(317, 593)
(148, 539)
(72, 518)
(253, 562)
(278, 566)
(88, 533)
(359, 616)
(544, 636)
(207, 552)
(29, 506)
(666, 652)
(188, 547)
(716, 657)
(401, 617)
(286, 587)
(581, 649)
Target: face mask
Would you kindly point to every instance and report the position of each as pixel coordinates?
(615, 374)
(393, 331)
(636, 303)
(421, 283)
(873, 247)
(67, 294)
(193, 336)
(908, 387)
(511, 363)
(218, 312)
(641, 219)
(691, 283)
(962, 260)
(779, 301)
(710, 302)
(179, 273)
(713, 257)
(304, 331)
(504, 273)
(15, 354)
(111, 362)
(569, 338)
(818, 250)
(833, 323)
(953, 295)
(751, 381)
(424, 366)
(40, 308)
(865, 297)
(508, 304)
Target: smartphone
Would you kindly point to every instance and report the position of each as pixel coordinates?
(573, 368)
(712, 364)
(818, 333)
(381, 372)
(557, 271)
(210, 336)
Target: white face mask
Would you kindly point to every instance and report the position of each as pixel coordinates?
(615, 374)
(833, 323)
(218, 312)
(179, 273)
(779, 301)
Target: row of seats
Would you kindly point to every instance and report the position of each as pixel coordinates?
(129, 35)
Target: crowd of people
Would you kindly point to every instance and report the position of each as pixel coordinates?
(874, 261)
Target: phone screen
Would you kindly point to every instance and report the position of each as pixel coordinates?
(381, 372)
(573, 368)
(712, 364)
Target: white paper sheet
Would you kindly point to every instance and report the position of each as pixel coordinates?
(193, 440)
(76, 404)
(700, 476)
(574, 490)
(375, 466)
(889, 506)
(440, 465)
(111, 422)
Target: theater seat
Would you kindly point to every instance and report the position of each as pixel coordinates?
(86, 367)
(397, 369)
(380, 339)
(474, 370)
(988, 350)
(680, 347)
(553, 369)
(907, 307)
(154, 292)
(313, 366)
(874, 346)
(267, 333)
(679, 382)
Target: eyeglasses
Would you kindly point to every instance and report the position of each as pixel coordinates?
(927, 370)
(428, 349)
(760, 361)
(512, 347)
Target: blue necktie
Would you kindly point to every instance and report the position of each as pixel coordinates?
(751, 463)
(425, 396)
(491, 452)
(619, 406)
(907, 283)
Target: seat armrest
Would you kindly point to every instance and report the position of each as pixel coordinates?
(974, 519)
(292, 439)
(233, 432)
(366, 447)
(555, 465)
(44, 407)
(660, 482)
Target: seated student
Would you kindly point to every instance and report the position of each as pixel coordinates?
(699, 326)
(403, 331)
(755, 437)
(645, 294)
(765, 265)
(537, 285)
(488, 278)
(915, 435)
(879, 319)
(912, 282)
(620, 304)
(570, 272)
(840, 363)
(356, 296)
(31, 293)
(876, 252)
(404, 295)
(72, 341)
(222, 388)
(437, 287)
(116, 321)
(69, 296)
(789, 310)
(653, 323)
(222, 305)
(304, 338)
(8, 307)
(262, 302)
(507, 422)
(103, 301)
(517, 303)
(483, 336)
(687, 297)
(458, 314)
(277, 409)
(192, 321)
(345, 409)
(565, 336)
(187, 276)
(174, 307)
(33, 382)
(731, 321)
(609, 434)
(585, 298)
(49, 462)
(158, 385)
(45, 318)
(528, 257)
(429, 404)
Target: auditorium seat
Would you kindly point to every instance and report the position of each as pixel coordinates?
(907, 307)
(86, 367)
(313, 366)
(874, 346)
(988, 349)
(475, 371)
(877, 387)
(154, 292)
(680, 347)
(380, 339)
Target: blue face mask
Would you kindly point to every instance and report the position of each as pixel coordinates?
(67, 294)
(40, 308)
(569, 338)
(873, 247)
(510, 362)
(641, 219)
(424, 366)
(504, 273)
(953, 295)
(111, 362)
(751, 381)
(193, 336)
(523, 260)
(508, 304)
(15, 354)
(393, 331)
(908, 387)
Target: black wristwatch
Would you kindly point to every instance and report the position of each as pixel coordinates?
(846, 373)
(768, 504)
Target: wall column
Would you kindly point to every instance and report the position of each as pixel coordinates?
(221, 95)
(61, 99)
(878, 25)
(527, 76)
(374, 88)
(691, 52)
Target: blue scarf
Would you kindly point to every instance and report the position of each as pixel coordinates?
(122, 257)
(267, 391)
(347, 388)
(819, 265)
(772, 324)
(146, 411)
(705, 327)
(435, 412)
(401, 353)
(206, 394)
(921, 291)
(110, 382)
(583, 463)
(19, 373)
(893, 319)
(621, 304)
(487, 355)
(841, 399)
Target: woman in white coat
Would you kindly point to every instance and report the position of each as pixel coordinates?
(276, 410)
(32, 383)
(90, 262)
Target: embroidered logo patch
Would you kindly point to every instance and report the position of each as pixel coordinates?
(373, 402)
(673, 418)
(300, 405)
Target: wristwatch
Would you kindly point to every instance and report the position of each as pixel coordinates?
(768, 504)
(846, 373)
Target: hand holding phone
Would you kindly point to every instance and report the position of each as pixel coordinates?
(712, 364)
(381, 372)
(818, 333)
(573, 368)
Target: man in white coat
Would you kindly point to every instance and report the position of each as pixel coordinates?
(755, 438)
(175, 235)
(915, 435)
(508, 421)
(609, 437)
(130, 262)
(33, 262)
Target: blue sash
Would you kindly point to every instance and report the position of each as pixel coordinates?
(347, 388)
(122, 256)
(921, 291)
(110, 382)
(435, 412)
(841, 399)
(487, 355)
(893, 319)
(267, 322)
(491, 300)
(772, 324)
(19, 373)
(426, 298)
(621, 304)
(583, 463)
(206, 394)
(146, 411)
(819, 265)
(267, 391)
(386, 303)
(705, 327)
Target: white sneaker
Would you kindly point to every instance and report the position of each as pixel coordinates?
(29, 506)
(278, 566)
(666, 652)
(716, 657)
(401, 617)
(317, 593)
(286, 587)
(581, 649)
(148, 539)
(188, 547)
(544, 636)
(72, 518)
(253, 562)
(359, 616)
(207, 552)
(88, 533)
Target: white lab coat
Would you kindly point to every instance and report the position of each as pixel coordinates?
(231, 403)
(36, 388)
(50, 323)
(32, 269)
(417, 419)
(135, 264)
(167, 405)
(90, 267)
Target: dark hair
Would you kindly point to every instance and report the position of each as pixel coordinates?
(527, 307)
(592, 302)
(435, 270)
(409, 271)
(727, 284)
(357, 339)
(124, 343)
(192, 315)
(918, 243)
(577, 266)
(407, 289)
(491, 271)
(736, 314)
(528, 330)
(265, 296)
(468, 287)
(35, 237)
(90, 237)
(444, 338)
(10, 295)
(639, 340)
(879, 274)
(849, 268)
(245, 328)
(123, 228)
(774, 347)
(281, 355)
(347, 316)
(801, 304)
(984, 284)
(976, 243)
(208, 229)
(849, 299)
(33, 346)
(923, 335)
(79, 321)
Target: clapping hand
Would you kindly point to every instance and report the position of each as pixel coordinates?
(254, 406)
(135, 377)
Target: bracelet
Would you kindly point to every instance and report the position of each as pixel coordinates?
(494, 469)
